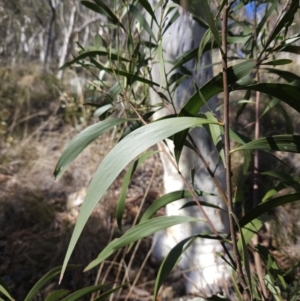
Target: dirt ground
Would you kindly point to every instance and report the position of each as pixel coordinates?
(37, 214)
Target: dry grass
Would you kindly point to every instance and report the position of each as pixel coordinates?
(37, 214)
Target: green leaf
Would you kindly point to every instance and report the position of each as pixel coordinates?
(274, 290)
(167, 22)
(102, 8)
(112, 54)
(117, 159)
(274, 102)
(282, 176)
(286, 75)
(44, 280)
(237, 137)
(218, 130)
(278, 62)
(140, 231)
(57, 295)
(179, 141)
(267, 206)
(287, 119)
(206, 11)
(81, 141)
(270, 193)
(117, 71)
(246, 81)
(291, 48)
(144, 24)
(286, 180)
(285, 22)
(236, 286)
(206, 45)
(151, 226)
(148, 8)
(284, 92)
(169, 198)
(135, 124)
(249, 231)
(215, 86)
(102, 110)
(285, 143)
(205, 204)
(215, 132)
(236, 39)
(205, 42)
(78, 295)
(115, 89)
(126, 180)
(131, 127)
(5, 292)
(264, 19)
(172, 258)
(168, 264)
(180, 138)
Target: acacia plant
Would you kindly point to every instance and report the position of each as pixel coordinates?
(250, 37)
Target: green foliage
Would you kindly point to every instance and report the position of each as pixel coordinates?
(123, 59)
(33, 292)
(130, 147)
(63, 294)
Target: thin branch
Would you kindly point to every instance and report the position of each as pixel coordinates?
(236, 254)
(257, 259)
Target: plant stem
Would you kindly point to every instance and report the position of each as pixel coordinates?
(210, 172)
(256, 197)
(236, 254)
